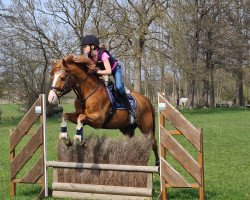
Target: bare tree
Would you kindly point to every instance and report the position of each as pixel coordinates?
(181, 47)
(28, 44)
(72, 15)
(138, 18)
(237, 13)
(33, 38)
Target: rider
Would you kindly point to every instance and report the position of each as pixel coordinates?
(107, 65)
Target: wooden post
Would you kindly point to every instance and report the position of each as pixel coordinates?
(163, 154)
(44, 183)
(12, 183)
(201, 163)
(162, 150)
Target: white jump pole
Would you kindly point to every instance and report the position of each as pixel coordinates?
(44, 145)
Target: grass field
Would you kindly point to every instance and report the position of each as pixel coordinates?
(226, 152)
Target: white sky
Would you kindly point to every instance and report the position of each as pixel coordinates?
(6, 2)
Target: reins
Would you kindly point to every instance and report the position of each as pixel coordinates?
(77, 91)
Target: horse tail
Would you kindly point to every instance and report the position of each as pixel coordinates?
(153, 115)
(154, 145)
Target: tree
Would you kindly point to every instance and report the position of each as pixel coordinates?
(28, 47)
(237, 13)
(138, 17)
(36, 39)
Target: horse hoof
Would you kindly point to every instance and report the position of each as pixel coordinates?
(78, 139)
(67, 142)
(66, 139)
(63, 135)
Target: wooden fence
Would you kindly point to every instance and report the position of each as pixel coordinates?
(171, 148)
(36, 143)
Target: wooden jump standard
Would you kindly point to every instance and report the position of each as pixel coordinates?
(37, 173)
(170, 178)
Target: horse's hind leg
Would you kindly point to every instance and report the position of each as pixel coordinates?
(129, 130)
(155, 149)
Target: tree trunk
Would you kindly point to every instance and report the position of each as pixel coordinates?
(205, 93)
(191, 93)
(212, 99)
(137, 69)
(137, 75)
(239, 89)
(162, 74)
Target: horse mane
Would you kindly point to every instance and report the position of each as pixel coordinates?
(87, 62)
(69, 58)
(87, 65)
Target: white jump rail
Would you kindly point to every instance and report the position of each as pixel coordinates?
(110, 167)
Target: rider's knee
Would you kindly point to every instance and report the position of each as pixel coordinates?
(120, 89)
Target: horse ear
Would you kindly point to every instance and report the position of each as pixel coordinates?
(65, 63)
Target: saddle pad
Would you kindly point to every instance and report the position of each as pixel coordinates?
(118, 105)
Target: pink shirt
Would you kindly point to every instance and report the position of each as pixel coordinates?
(104, 56)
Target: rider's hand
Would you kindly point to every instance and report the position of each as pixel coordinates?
(79, 59)
(93, 70)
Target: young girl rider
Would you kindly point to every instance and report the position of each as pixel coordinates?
(107, 65)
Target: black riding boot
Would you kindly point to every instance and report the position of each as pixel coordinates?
(131, 111)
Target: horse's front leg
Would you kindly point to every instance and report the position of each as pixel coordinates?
(94, 119)
(64, 134)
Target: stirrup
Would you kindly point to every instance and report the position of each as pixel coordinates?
(132, 118)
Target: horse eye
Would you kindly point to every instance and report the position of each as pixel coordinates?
(63, 79)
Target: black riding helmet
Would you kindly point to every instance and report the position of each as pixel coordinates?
(90, 40)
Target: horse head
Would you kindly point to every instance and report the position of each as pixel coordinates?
(63, 78)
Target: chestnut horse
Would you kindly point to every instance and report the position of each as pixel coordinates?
(92, 105)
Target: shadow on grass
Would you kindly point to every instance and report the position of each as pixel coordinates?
(186, 194)
(28, 190)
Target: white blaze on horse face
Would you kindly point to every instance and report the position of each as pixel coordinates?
(52, 98)
(56, 76)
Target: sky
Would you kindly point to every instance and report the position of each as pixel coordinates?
(6, 2)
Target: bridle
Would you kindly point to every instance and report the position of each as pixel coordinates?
(62, 91)
(76, 88)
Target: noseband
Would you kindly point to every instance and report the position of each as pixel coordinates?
(61, 91)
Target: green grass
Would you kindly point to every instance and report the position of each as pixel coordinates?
(226, 152)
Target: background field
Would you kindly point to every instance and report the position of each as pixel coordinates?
(226, 146)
